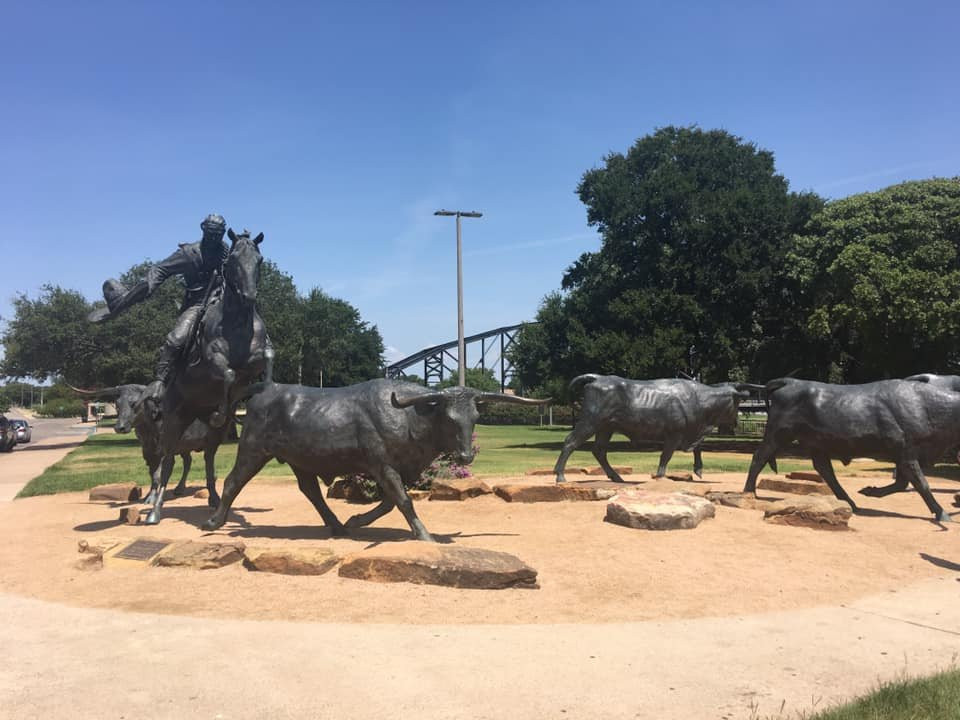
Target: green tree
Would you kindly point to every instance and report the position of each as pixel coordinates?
(281, 308)
(338, 347)
(478, 378)
(879, 281)
(695, 226)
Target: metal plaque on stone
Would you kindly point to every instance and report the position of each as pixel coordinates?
(142, 549)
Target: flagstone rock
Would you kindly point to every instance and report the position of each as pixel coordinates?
(347, 489)
(646, 510)
(740, 500)
(619, 469)
(956, 499)
(202, 493)
(803, 475)
(793, 487)
(551, 471)
(559, 492)
(458, 489)
(819, 513)
(117, 492)
(290, 561)
(679, 477)
(425, 563)
(130, 515)
(200, 555)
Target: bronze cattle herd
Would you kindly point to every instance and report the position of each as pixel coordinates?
(219, 355)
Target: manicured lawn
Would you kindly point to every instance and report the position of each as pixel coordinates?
(504, 450)
(932, 698)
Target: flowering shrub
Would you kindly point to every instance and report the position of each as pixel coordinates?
(443, 468)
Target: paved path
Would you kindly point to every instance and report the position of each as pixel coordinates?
(52, 439)
(85, 663)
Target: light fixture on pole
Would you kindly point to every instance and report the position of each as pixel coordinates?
(461, 350)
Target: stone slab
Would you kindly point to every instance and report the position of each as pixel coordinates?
(347, 489)
(805, 475)
(793, 487)
(816, 512)
(200, 555)
(202, 493)
(679, 477)
(461, 489)
(425, 563)
(645, 510)
(619, 469)
(116, 492)
(130, 515)
(551, 471)
(559, 492)
(290, 561)
(740, 500)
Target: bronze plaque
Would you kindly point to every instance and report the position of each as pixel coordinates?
(142, 549)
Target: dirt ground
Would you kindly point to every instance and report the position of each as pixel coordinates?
(589, 571)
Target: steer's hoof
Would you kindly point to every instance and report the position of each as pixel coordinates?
(211, 524)
(944, 517)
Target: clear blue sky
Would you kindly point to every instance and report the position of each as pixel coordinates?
(337, 130)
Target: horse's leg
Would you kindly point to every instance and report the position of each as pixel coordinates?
(219, 416)
(209, 461)
(310, 487)
(182, 485)
(698, 460)
(669, 446)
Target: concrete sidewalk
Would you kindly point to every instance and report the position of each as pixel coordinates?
(28, 461)
(84, 663)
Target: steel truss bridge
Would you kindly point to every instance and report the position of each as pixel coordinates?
(440, 361)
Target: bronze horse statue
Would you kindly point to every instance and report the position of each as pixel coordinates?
(229, 350)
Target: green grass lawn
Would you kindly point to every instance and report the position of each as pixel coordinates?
(504, 450)
(933, 698)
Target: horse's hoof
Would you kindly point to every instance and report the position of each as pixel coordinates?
(152, 519)
(870, 491)
(217, 419)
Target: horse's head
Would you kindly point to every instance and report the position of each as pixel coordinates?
(241, 271)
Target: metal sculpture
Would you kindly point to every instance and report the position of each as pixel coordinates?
(387, 429)
(899, 420)
(673, 411)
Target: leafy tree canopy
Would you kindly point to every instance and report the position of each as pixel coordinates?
(478, 378)
(879, 277)
(338, 347)
(695, 225)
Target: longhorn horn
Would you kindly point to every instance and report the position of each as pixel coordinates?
(108, 393)
(415, 400)
(511, 399)
(748, 386)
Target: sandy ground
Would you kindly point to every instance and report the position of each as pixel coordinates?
(590, 571)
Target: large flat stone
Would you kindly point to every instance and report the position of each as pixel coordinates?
(619, 469)
(805, 475)
(458, 489)
(819, 513)
(559, 492)
(200, 555)
(551, 471)
(290, 561)
(425, 563)
(741, 500)
(347, 489)
(658, 511)
(793, 487)
(116, 492)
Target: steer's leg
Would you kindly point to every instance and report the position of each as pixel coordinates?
(364, 519)
(915, 475)
(247, 465)
(310, 486)
(392, 485)
(182, 485)
(669, 446)
(697, 461)
(600, 443)
(822, 465)
(210, 466)
(581, 431)
(899, 484)
(763, 454)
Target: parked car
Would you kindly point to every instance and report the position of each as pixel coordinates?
(8, 435)
(23, 429)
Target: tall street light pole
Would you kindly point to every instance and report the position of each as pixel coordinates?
(461, 349)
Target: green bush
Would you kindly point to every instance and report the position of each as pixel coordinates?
(499, 414)
(62, 408)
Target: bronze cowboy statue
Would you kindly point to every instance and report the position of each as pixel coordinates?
(201, 265)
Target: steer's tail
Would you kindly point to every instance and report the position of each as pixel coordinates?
(580, 380)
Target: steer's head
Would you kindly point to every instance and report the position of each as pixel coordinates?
(125, 397)
(728, 399)
(455, 412)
